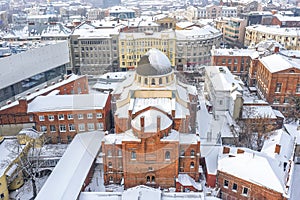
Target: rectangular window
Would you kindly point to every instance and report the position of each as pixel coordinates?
(298, 88)
(72, 127)
(43, 128)
(70, 116)
(62, 128)
(81, 127)
(52, 128)
(80, 116)
(51, 117)
(90, 115)
(278, 87)
(229, 61)
(286, 100)
(245, 191)
(226, 183)
(61, 117)
(100, 126)
(99, 115)
(234, 187)
(91, 126)
(42, 118)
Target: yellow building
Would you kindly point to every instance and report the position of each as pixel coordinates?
(132, 46)
(287, 37)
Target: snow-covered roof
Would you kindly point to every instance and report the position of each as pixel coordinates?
(120, 137)
(254, 167)
(164, 104)
(287, 18)
(21, 66)
(276, 63)
(68, 102)
(183, 138)
(235, 52)
(294, 130)
(30, 132)
(142, 192)
(150, 121)
(252, 112)
(274, 30)
(132, 36)
(7, 153)
(196, 33)
(211, 154)
(67, 178)
(186, 180)
(95, 33)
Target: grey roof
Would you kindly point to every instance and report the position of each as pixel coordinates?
(154, 63)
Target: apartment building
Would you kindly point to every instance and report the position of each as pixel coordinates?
(287, 37)
(234, 32)
(68, 115)
(132, 46)
(215, 11)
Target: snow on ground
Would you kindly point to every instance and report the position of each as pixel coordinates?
(25, 192)
(97, 182)
(295, 190)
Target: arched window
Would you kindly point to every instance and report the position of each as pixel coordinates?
(148, 178)
(182, 152)
(160, 81)
(152, 81)
(153, 179)
(192, 152)
(167, 155)
(192, 165)
(133, 155)
(146, 81)
(110, 165)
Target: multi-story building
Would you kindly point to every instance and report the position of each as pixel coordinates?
(95, 14)
(93, 50)
(61, 117)
(277, 78)
(288, 37)
(215, 11)
(155, 137)
(253, 18)
(132, 46)
(234, 32)
(286, 21)
(238, 61)
(30, 70)
(121, 12)
(193, 46)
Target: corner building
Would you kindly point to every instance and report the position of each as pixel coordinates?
(155, 137)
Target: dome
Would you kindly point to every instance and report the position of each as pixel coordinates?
(154, 63)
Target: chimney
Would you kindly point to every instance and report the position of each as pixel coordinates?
(277, 148)
(158, 123)
(226, 150)
(276, 49)
(142, 121)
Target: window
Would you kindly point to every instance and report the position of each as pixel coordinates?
(72, 127)
(245, 191)
(42, 118)
(43, 128)
(276, 101)
(278, 87)
(69, 138)
(90, 115)
(234, 187)
(223, 61)
(192, 152)
(99, 115)
(109, 153)
(152, 81)
(226, 183)
(110, 165)
(61, 117)
(52, 128)
(91, 126)
(120, 152)
(153, 179)
(2, 196)
(148, 179)
(70, 116)
(111, 180)
(80, 116)
(221, 102)
(100, 126)
(160, 81)
(51, 117)
(298, 88)
(81, 127)
(182, 152)
(133, 155)
(229, 61)
(62, 128)
(286, 100)
(167, 155)
(192, 165)
(146, 81)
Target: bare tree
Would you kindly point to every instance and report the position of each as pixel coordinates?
(293, 110)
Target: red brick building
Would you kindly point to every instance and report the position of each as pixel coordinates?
(61, 117)
(14, 116)
(154, 119)
(286, 21)
(278, 78)
(238, 61)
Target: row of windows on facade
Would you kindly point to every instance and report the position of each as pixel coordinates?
(102, 55)
(160, 80)
(167, 154)
(234, 188)
(98, 48)
(70, 116)
(148, 43)
(148, 179)
(72, 127)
